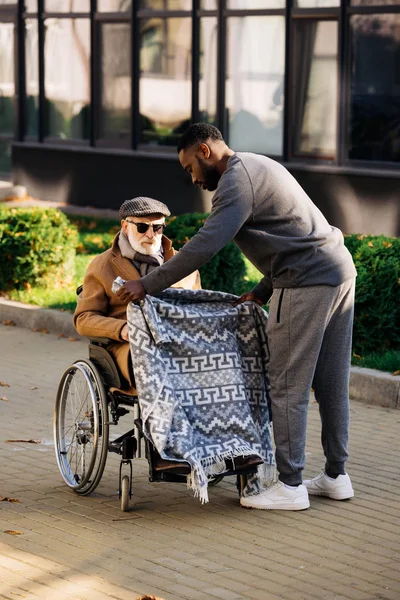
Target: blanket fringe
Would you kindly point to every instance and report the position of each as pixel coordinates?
(209, 467)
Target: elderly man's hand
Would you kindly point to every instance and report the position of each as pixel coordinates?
(131, 291)
(248, 297)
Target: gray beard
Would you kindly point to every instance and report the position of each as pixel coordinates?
(144, 248)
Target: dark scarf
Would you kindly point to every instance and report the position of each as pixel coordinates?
(144, 263)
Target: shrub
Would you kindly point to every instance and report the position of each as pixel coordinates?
(225, 272)
(36, 244)
(377, 305)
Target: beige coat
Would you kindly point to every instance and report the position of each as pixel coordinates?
(100, 313)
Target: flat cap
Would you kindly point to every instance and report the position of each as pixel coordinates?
(141, 207)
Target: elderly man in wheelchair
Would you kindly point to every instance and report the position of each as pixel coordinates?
(94, 394)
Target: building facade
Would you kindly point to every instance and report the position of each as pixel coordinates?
(94, 95)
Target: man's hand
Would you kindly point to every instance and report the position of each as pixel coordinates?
(248, 297)
(131, 291)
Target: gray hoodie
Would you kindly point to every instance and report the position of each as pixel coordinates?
(260, 205)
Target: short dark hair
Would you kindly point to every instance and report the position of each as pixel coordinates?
(199, 133)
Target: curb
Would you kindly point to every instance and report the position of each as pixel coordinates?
(367, 385)
(35, 317)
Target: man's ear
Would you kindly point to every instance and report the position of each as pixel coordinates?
(124, 226)
(205, 150)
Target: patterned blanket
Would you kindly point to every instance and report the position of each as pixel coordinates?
(200, 368)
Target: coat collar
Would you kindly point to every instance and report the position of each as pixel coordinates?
(124, 265)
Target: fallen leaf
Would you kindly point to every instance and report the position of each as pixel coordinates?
(62, 335)
(44, 330)
(4, 398)
(34, 387)
(397, 372)
(72, 339)
(5, 499)
(25, 441)
(4, 384)
(11, 532)
(356, 355)
(9, 323)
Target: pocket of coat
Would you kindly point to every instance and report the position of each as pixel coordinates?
(278, 314)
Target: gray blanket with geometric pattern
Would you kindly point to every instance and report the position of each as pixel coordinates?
(200, 367)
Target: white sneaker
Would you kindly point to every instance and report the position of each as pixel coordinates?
(322, 485)
(278, 497)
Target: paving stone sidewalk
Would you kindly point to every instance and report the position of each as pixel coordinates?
(70, 547)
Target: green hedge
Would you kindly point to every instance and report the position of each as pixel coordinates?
(36, 245)
(377, 306)
(226, 271)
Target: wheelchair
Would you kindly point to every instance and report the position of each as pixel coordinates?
(91, 400)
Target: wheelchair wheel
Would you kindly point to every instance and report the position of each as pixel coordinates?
(125, 485)
(215, 480)
(81, 427)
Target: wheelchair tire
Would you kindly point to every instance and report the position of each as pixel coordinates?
(81, 427)
(215, 480)
(125, 486)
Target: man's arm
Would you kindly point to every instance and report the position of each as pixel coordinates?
(90, 317)
(263, 289)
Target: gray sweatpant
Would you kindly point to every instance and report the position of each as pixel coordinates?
(309, 339)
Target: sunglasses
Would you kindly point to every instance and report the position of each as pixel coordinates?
(143, 227)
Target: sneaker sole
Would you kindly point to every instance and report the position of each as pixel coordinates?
(280, 507)
(332, 495)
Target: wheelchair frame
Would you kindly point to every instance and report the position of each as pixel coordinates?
(90, 400)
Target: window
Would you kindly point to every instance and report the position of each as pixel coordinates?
(254, 85)
(31, 78)
(31, 5)
(374, 127)
(165, 79)
(7, 85)
(114, 5)
(253, 4)
(67, 78)
(316, 3)
(208, 70)
(67, 6)
(115, 83)
(7, 93)
(315, 91)
(166, 4)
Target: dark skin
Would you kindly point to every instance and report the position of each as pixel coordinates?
(205, 163)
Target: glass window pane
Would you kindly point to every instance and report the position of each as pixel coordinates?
(7, 85)
(316, 3)
(166, 4)
(114, 5)
(67, 5)
(5, 156)
(252, 4)
(315, 88)
(374, 2)
(115, 86)
(67, 77)
(209, 4)
(375, 88)
(254, 86)
(165, 81)
(32, 77)
(208, 70)
(31, 5)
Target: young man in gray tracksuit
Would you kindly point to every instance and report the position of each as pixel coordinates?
(309, 276)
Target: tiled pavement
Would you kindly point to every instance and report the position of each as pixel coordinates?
(72, 547)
